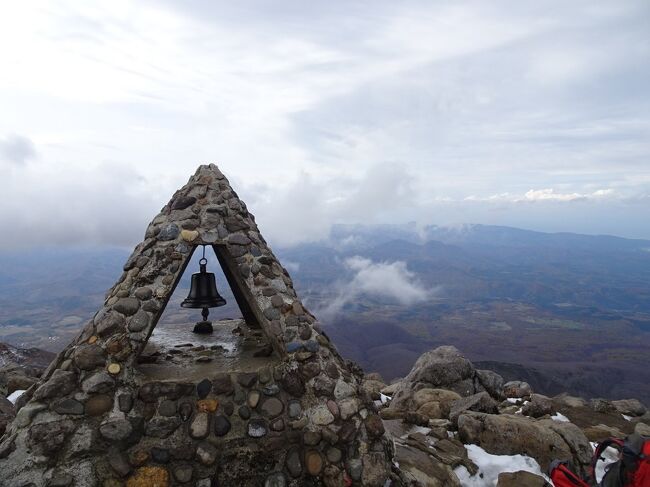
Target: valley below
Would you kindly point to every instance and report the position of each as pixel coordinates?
(564, 312)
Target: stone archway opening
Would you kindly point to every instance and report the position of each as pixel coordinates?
(238, 343)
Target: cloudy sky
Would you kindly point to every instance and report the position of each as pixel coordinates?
(530, 114)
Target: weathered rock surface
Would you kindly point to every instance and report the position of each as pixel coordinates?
(538, 406)
(517, 388)
(7, 413)
(20, 368)
(630, 407)
(521, 479)
(444, 368)
(544, 440)
(481, 402)
(372, 388)
(425, 460)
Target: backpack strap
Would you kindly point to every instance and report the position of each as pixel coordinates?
(561, 476)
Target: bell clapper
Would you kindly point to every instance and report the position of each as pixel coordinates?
(205, 326)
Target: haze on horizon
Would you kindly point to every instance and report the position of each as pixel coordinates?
(532, 115)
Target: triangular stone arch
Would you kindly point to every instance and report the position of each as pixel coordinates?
(92, 420)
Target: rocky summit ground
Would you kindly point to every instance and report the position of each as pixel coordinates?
(456, 425)
(451, 423)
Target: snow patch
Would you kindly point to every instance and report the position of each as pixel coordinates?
(384, 398)
(626, 417)
(420, 429)
(490, 466)
(610, 455)
(13, 397)
(560, 417)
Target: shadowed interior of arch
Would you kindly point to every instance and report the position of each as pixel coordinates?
(238, 343)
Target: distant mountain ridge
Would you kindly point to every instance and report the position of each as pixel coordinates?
(574, 308)
(571, 307)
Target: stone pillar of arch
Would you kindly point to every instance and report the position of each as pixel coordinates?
(97, 418)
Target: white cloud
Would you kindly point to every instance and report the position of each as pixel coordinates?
(16, 149)
(324, 113)
(392, 281)
(305, 210)
(291, 266)
(549, 194)
(545, 195)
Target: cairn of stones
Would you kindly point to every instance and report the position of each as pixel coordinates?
(92, 420)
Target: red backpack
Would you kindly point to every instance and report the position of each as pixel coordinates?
(631, 470)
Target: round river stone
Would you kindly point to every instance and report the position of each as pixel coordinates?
(221, 425)
(115, 429)
(127, 306)
(199, 427)
(98, 404)
(244, 412)
(272, 407)
(313, 462)
(203, 388)
(293, 463)
(276, 479)
(253, 399)
(257, 428)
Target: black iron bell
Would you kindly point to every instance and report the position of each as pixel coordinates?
(203, 294)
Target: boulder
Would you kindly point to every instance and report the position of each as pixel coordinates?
(443, 397)
(565, 400)
(372, 388)
(441, 368)
(517, 388)
(439, 428)
(430, 410)
(601, 432)
(521, 479)
(491, 382)
(544, 440)
(630, 407)
(421, 469)
(642, 429)
(481, 402)
(427, 460)
(538, 406)
(444, 366)
(19, 381)
(7, 413)
(602, 405)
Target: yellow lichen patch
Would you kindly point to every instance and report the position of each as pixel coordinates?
(114, 368)
(207, 405)
(149, 477)
(92, 339)
(189, 235)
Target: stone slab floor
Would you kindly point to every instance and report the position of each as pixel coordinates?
(175, 353)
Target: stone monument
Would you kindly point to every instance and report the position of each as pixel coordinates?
(290, 413)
